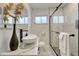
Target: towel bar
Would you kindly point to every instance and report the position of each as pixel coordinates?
(71, 35)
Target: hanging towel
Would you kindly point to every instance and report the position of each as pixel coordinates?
(64, 44)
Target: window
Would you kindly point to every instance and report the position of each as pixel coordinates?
(44, 20)
(58, 19)
(55, 19)
(26, 20)
(23, 20)
(10, 20)
(0, 20)
(61, 19)
(40, 19)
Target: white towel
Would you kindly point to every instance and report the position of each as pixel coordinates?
(64, 44)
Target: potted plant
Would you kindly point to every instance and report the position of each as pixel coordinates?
(6, 12)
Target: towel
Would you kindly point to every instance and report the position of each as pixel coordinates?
(64, 44)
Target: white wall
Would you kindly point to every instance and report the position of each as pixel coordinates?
(71, 15)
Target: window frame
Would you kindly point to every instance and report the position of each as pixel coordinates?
(41, 20)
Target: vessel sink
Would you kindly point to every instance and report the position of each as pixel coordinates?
(29, 39)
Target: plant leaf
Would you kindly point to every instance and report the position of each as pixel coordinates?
(5, 18)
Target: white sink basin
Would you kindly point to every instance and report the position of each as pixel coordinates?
(29, 39)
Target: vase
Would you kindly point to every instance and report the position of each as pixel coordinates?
(14, 40)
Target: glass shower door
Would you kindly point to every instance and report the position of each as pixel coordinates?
(56, 26)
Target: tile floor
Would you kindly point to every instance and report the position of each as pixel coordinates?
(46, 51)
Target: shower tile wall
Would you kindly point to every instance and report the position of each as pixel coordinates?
(71, 15)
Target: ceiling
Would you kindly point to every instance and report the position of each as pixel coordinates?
(45, 5)
(41, 5)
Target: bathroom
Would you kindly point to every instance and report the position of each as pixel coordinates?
(45, 30)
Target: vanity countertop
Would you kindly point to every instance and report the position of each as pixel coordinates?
(29, 49)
